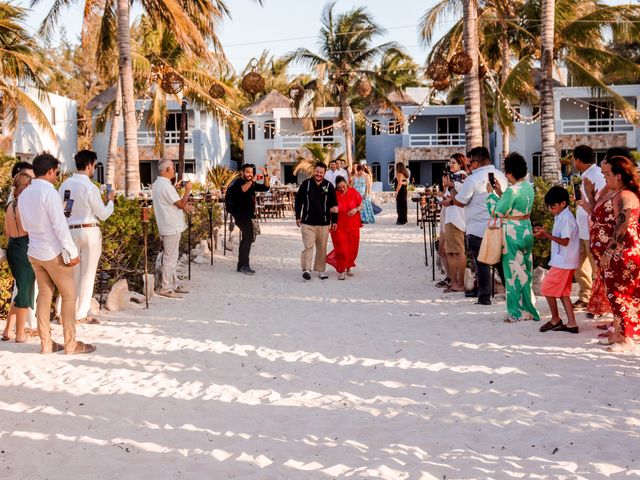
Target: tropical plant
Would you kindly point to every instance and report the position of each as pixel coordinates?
(346, 58)
(315, 153)
(220, 176)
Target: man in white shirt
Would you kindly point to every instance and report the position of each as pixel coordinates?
(52, 253)
(332, 173)
(84, 223)
(473, 197)
(169, 208)
(341, 171)
(584, 162)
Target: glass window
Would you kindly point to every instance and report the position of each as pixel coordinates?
(536, 160)
(394, 127)
(375, 171)
(251, 131)
(391, 172)
(173, 122)
(99, 175)
(269, 129)
(323, 128)
(375, 127)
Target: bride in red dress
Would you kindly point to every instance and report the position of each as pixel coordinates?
(615, 244)
(346, 238)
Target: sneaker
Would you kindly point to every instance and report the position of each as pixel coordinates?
(341, 276)
(306, 275)
(247, 271)
(169, 294)
(323, 276)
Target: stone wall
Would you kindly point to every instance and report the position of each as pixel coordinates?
(597, 141)
(277, 156)
(406, 154)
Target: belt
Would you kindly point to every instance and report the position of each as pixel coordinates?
(83, 225)
(517, 217)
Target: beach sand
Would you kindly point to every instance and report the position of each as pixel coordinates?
(269, 377)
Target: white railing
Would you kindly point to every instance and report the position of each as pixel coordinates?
(297, 142)
(437, 140)
(146, 138)
(596, 125)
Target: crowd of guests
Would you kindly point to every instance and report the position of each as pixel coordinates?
(599, 246)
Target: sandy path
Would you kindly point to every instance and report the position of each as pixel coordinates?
(267, 377)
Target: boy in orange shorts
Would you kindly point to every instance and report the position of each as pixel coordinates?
(565, 253)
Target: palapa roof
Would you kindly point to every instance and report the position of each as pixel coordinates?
(103, 99)
(267, 103)
(400, 99)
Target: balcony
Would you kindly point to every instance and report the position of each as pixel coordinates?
(147, 138)
(596, 125)
(437, 140)
(298, 142)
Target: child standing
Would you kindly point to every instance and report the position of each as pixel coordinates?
(565, 253)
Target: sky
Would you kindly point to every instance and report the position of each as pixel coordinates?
(285, 25)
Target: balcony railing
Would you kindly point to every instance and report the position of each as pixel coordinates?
(596, 125)
(297, 142)
(147, 138)
(437, 140)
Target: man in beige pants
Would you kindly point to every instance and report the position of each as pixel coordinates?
(52, 253)
(314, 202)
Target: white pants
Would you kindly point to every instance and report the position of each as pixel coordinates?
(89, 243)
(170, 253)
(31, 321)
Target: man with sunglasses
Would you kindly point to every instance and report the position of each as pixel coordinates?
(241, 203)
(52, 253)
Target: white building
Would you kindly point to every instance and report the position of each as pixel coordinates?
(29, 138)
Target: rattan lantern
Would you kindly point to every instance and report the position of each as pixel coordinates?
(364, 88)
(216, 91)
(438, 69)
(172, 83)
(296, 92)
(441, 85)
(460, 63)
(253, 82)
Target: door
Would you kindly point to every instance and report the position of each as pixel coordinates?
(437, 169)
(447, 126)
(414, 166)
(287, 172)
(145, 173)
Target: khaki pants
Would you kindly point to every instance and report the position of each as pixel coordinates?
(314, 235)
(584, 272)
(50, 274)
(170, 254)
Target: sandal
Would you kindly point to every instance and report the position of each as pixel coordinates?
(604, 326)
(55, 347)
(511, 319)
(82, 347)
(5, 338)
(88, 320)
(444, 283)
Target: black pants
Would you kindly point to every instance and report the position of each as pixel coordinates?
(483, 271)
(246, 239)
(401, 205)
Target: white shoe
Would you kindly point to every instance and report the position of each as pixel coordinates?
(342, 276)
(323, 276)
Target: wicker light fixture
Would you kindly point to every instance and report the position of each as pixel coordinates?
(438, 69)
(460, 63)
(253, 82)
(441, 85)
(216, 91)
(364, 88)
(296, 92)
(172, 83)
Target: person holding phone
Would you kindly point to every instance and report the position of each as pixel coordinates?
(241, 203)
(169, 208)
(50, 242)
(85, 209)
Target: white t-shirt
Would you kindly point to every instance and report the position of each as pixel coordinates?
(473, 194)
(455, 214)
(330, 176)
(565, 226)
(170, 218)
(594, 174)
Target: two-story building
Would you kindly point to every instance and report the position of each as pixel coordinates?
(274, 134)
(580, 118)
(29, 138)
(424, 139)
(207, 140)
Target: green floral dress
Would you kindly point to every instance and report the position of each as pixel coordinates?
(517, 245)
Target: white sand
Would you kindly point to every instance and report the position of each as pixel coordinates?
(265, 377)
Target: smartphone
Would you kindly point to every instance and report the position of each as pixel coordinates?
(451, 177)
(109, 189)
(68, 206)
(184, 182)
(492, 179)
(576, 192)
(67, 195)
(259, 177)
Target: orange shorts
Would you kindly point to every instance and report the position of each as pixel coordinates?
(557, 283)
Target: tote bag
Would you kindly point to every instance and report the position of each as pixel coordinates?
(491, 246)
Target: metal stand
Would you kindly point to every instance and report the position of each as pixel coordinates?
(211, 229)
(429, 213)
(144, 213)
(189, 243)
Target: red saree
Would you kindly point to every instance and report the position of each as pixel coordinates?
(346, 238)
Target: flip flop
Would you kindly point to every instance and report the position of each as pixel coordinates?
(5, 338)
(512, 320)
(444, 283)
(82, 347)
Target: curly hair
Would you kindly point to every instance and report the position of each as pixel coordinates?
(628, 171)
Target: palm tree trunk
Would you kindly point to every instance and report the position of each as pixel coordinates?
(132, 163)
(485, 116)
(112, 155)
(346, 120)
(505, 53)
(473, 126)
(550, 162)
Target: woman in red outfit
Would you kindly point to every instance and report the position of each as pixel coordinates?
(615, 244)
(346, 238)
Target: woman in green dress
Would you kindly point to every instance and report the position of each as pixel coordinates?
(513, 207)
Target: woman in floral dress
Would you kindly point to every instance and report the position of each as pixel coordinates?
(513, 207)
(363, 186)
(615, 244)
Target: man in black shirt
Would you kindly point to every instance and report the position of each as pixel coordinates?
(315, 200)
(241, 203)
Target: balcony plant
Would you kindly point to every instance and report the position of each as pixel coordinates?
(220, 177)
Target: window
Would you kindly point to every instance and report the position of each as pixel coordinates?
(323, 128)
(189, 166)
(600, 115)
(536, 160)
(375, 171)
(375, 127)
(394, 127)
(391, 172)
(173, 122)
(535, 110)
(448, 129)
(99, 175)
(251, 131)
(269, 129)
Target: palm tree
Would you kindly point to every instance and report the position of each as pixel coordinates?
(346, 58)
(550, 161)
(473, 126)
(317, 153)
(21, 64)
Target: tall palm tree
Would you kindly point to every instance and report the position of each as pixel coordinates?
(346, 58)
(20, 63)
(550, 160)
(473, 126)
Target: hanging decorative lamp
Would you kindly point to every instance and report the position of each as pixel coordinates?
(253, 82)
(216, 91)
(460, 63)
(172, 83)
(438, 69)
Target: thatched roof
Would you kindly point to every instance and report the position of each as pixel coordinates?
(273, 99)
(103, 99)
(400, 99)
